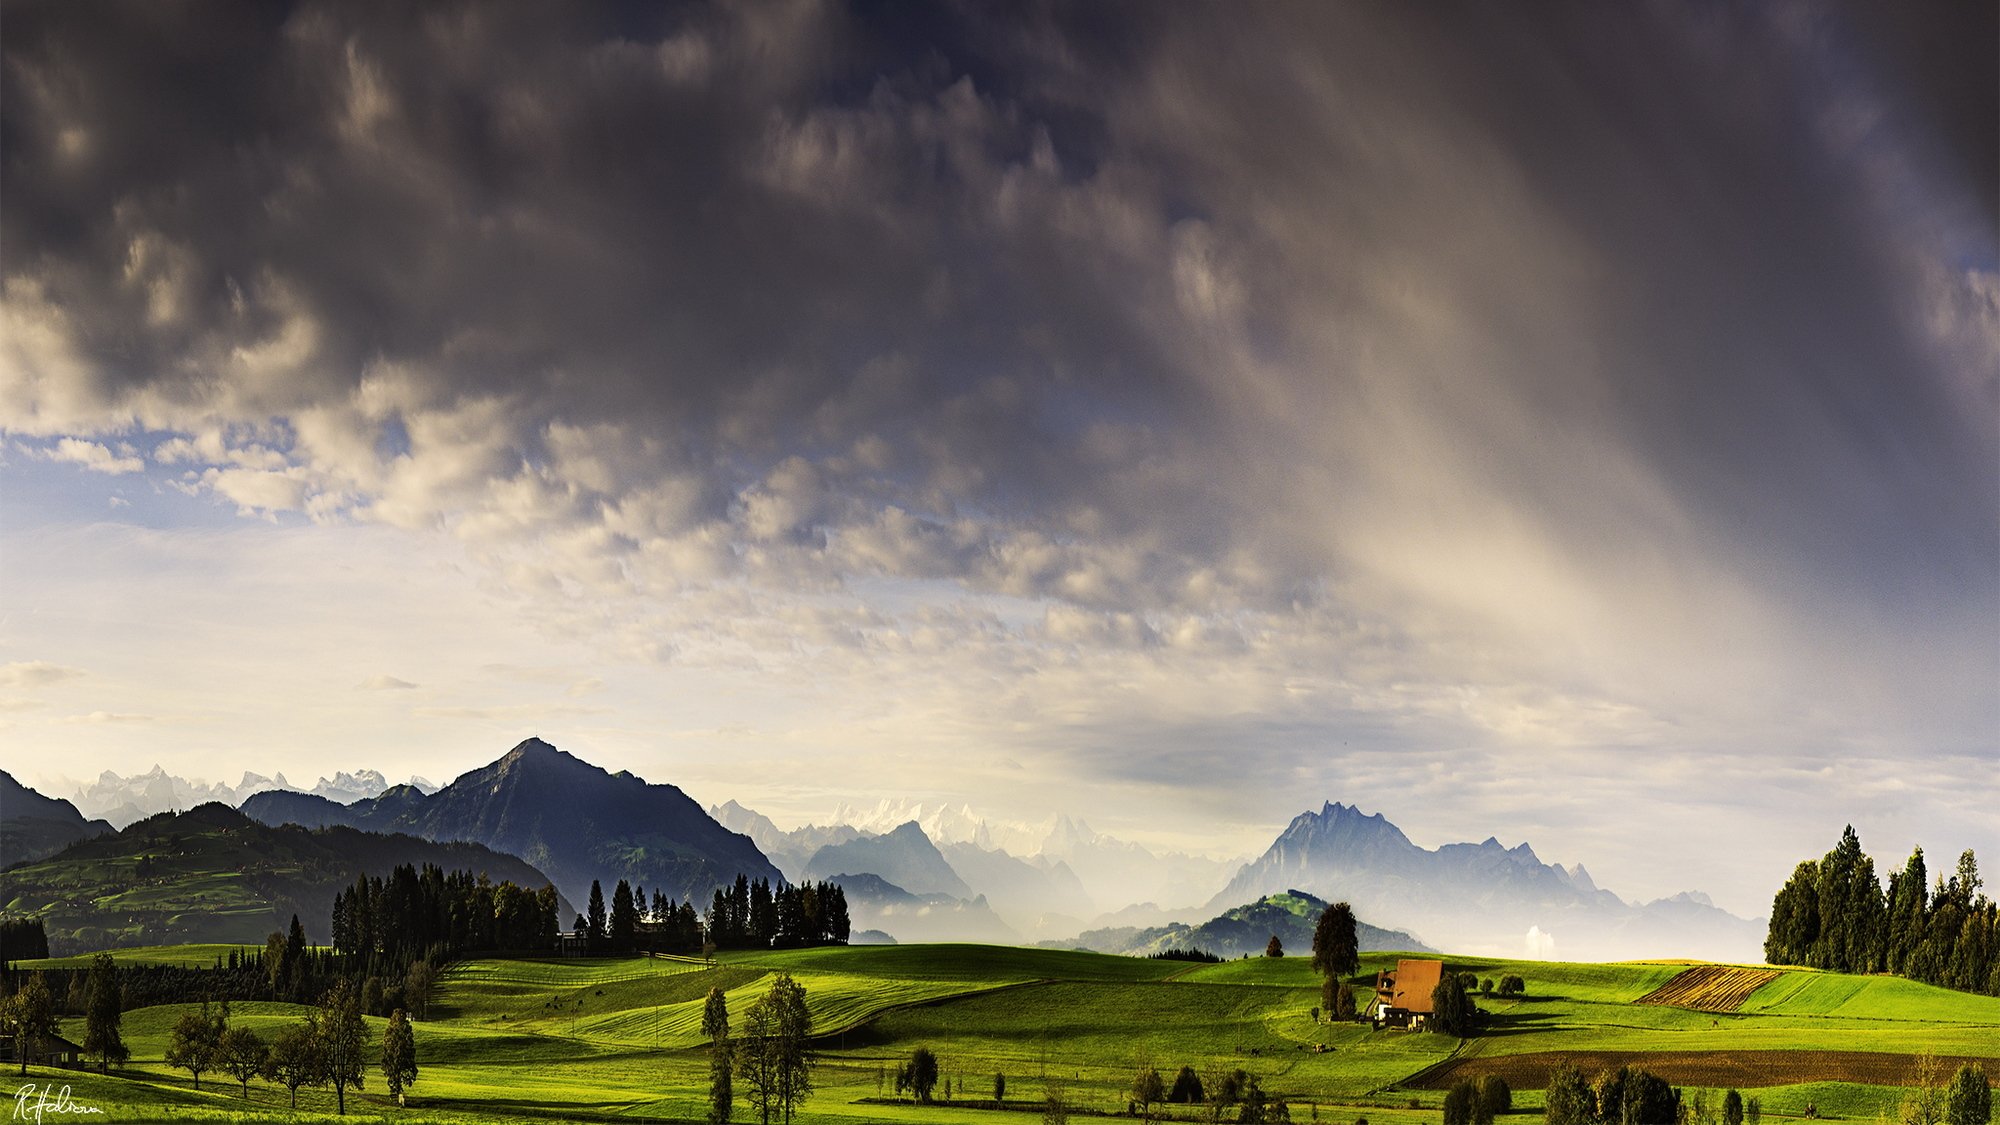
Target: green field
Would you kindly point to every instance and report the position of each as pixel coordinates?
(617, 1038)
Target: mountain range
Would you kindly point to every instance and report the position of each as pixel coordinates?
(212, 874)
(573, 820)
(1482, 898)
(577, 822)
(123, 800)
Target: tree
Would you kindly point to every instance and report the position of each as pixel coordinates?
(919, 1075)
(1732, 1108)
(1147, 1089)
(1496, 1096)
(1753, 1111)
(774, 1058)
(624, 919)
(343, 1041)
(715, 1025)
(104, 1014)
(1336, 950)
(1511, 986)
(399, 1055)
(1274, 947)
(294, 1059)
(1343, 1002)
(417, 982)
(597, 933)
(1055, 1102)
(999, 1087)
(196, 1042)
(1187, 1088)
(1970, 1101)
(1451, 1008)
(1464, 1106)
(30, 1017)
(1569, 1100)
(242, 1054)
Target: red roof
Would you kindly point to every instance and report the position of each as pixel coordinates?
(1414, 982)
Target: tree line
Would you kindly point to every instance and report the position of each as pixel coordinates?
(1835, 914)
(431, 914)
(750, 915)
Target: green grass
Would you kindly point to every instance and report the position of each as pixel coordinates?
(614, 1038)
(195, 956)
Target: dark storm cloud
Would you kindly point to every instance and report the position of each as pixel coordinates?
(1611, 326)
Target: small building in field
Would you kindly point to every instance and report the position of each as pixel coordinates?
(572, 943)
(1403, 997)
(47, 1050)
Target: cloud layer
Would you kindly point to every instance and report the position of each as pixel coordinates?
(1165, 391)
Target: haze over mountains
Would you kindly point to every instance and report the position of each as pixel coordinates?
(1483, 898)
(577, 822)
(122, 800)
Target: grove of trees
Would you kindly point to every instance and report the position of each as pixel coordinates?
(1834, 913)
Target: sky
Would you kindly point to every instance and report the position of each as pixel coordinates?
(1572, 423)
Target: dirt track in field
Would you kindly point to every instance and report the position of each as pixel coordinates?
(1739, 1069)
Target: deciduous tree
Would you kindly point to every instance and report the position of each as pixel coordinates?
(343, 1041)
(241, 1053)
(1970, 1101)
(295, 1057)
(399, 1055)
(195, 1044)
(30, 1017)
(1336, 949)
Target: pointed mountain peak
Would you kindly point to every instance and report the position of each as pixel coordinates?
(532, 748)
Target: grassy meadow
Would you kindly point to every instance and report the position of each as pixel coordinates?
(610, 1039)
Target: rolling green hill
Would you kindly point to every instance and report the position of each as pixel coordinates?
(212, 874)
(615, 1038)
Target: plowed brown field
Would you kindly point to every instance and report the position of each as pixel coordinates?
(1739, 1069)
(1710, 988)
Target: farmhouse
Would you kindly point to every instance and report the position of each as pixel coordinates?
(49, 1050)
(1403, 997)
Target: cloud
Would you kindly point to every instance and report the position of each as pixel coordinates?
(100, 718)
(36, 673)
(95, 456)
(1251, 381)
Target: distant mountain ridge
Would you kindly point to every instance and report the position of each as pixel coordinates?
(1289, 916)
(212, 874)
(33, 825)
(1481, 898)
(574, 820)
(123, 800)
(1039, 898)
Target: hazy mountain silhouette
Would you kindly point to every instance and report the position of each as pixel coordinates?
(1481, 898)
(904, 856)
(875, 903)
(574, 820)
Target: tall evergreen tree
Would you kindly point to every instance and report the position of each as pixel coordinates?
(105, 1014)
(1336, 949)
(715, 1025)
(624, 918)
(598, 934)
